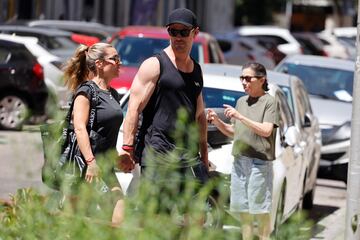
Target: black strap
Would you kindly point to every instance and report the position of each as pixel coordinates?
(93, 103)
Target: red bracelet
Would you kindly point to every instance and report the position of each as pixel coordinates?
(127, 147)
(90, 159)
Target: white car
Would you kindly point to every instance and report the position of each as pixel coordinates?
(282, 37)
(333, 47)
(51, 65)
(239, 50)
(289, 165)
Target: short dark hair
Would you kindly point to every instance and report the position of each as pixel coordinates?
(259, 70)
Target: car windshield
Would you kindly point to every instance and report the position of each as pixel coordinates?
(215, 97)
(327, 83)
(134, 50)
(54, 43)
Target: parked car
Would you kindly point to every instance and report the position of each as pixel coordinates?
(100, 31)
(57, 42)
(23, 91)
(289, 165)
(329, 82)
(304, 119)
(58, 93)
(332, 46)
(347, 34)
(272, 37)
(137, 43)
(310, 43)
(239, 50)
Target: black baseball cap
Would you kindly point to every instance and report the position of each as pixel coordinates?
(183, 16)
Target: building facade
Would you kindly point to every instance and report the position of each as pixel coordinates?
(213, 15)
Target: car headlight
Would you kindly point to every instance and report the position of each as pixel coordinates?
(336, 134)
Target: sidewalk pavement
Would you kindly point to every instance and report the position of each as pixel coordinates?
(331, 227)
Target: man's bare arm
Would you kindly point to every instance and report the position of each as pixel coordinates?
(141, 90)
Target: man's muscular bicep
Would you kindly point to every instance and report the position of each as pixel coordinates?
(145, 82)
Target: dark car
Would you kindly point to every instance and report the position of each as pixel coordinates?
(23, 92)
(58, 42)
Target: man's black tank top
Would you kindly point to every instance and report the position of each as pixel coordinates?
(174, 90)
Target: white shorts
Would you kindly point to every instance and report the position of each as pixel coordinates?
(251, 185)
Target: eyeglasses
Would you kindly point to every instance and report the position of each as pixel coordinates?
(183, 32)
(115, 58)
(248, 78)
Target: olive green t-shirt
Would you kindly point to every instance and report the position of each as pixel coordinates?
(246, 141)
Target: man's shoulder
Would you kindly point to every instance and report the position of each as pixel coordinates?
(150, 64)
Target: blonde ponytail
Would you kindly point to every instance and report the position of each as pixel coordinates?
(78, 67)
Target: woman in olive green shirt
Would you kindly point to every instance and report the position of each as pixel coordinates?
(253, 128)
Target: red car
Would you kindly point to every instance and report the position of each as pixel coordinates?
(137, 43)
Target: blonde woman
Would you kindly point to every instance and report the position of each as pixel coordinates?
(102, 62)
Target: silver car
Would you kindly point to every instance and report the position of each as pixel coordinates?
(329, 82)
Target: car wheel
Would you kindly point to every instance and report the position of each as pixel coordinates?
(14, 111)
(308, 200)
(213, 214)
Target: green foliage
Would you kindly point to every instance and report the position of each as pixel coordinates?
(298, 227)
(169, 204)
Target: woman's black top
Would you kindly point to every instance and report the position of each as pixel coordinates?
(109, 114)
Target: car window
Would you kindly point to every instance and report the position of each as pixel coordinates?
(197, 53)
(15, 55)
(63, 42)
(304, 99)
(286, 118)
(4, 55)
(289, 97)
(328, 83)
(213, 52)
(215, 97)
(269, 39)
(225, 45)
(134, 50)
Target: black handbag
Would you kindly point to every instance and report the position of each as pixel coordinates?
(64, 165)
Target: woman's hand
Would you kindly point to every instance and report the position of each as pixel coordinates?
(231, 112)
(92, 171)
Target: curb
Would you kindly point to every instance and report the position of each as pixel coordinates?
(331, 227)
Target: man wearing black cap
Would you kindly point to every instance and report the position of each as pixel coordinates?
(164, 84)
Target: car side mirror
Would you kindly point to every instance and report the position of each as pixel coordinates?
(291, 136)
